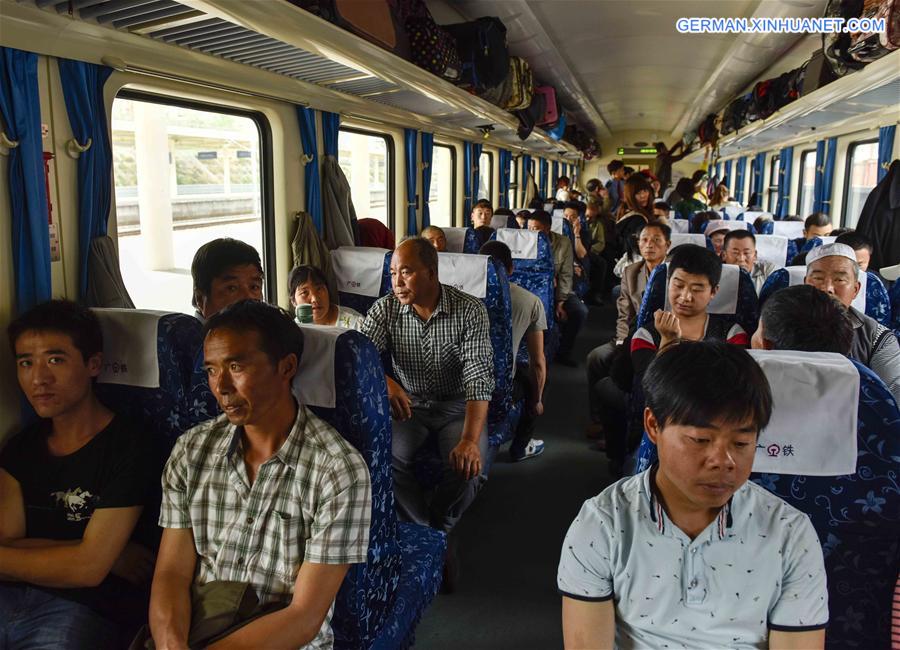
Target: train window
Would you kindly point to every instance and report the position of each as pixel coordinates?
(513, 182)
(442, 199)
(367, 161)
(860, 177)
(485, 175)
(184, 175)
(774, 170)
(807, 183)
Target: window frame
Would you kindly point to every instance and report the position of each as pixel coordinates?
(266, 171)
(389, 168)
(453, 178)
(514, 164)
(848, 166)
(490, 174)
(773, 182)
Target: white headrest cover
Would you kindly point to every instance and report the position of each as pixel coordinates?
(518, 210)
(464, 272)
(688, 238)
(813, 430)
(358, 269)
(498, 221)
(523, 244)
(772, 248)
(130, 351)
(725, 300)
(797, 275)
(560, 212)
(722, 224)
(753, 216)
(456, 239)
(313, 384)
(828, 240)
(549, 206)
(734, 211)
(680, 226)
(556, 224)
(789, 229)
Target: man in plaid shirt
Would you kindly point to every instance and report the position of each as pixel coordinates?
(266, 494)
(439, 341)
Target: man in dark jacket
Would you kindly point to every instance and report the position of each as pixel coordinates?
(879, 219)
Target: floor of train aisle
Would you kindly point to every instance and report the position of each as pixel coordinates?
(510, 538)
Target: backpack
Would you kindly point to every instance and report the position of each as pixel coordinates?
(836, 46)
(483, 51)
(528, 117)
(431, 47)
(763, 102)
(870, 46)
(516, 91)
(707, 131)
(735, 115)
(786, 87)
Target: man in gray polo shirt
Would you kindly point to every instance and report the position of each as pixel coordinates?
(689, 554)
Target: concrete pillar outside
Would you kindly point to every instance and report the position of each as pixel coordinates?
(154, 193)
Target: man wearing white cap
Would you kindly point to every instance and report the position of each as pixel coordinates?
(833, 269)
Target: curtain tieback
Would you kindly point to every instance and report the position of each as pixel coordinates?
(411, 205)
(306, 159)
(6, 142)
(74, 149)
(425, 166)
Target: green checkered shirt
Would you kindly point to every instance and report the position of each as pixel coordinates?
(310, 502)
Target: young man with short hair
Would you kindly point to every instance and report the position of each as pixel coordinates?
(266, 494)
(689, 553)
(806, 319)
(694, 274)
(529, 322)
(436, 237)
(833, 268)
(482, 212)
(616, 184)
(661, 210)
(739, 247)
(860, 244)
(73, 486)
(818, 224)
(225, 271)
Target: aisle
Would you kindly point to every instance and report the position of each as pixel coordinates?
(510, 538)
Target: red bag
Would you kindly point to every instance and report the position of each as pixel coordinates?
(869, 46)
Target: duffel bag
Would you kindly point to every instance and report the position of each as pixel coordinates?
(818, 73)
(836, 46)
(431, 47)
(520, 83)
(551, 107)
(556, 132)
(707, 131)
(483, 51)
(870, 46)
(374, 20)
(528, 117)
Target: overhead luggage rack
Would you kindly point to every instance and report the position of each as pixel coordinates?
(280, 38)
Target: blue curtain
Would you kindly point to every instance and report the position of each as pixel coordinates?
(476, 173)
(409, 151)
(505, 157)
(331, 126)
(467, 182)
(427, 160)
(307, 119)
(739, 179)
(545, 173)
(82, 85)
(885, 149)
(759, 179)
(526, 169)
(786, 158)
(554, 175)
(826, 152)
(727, 170)
(21, 110)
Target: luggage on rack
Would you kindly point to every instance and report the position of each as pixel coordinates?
(374, 20)
(517, 89)
(735, 115)
(707, 131)
(432, 48)
(818, 73)
(528, 117)
(786, 87)
(836, 46)
(763, 103)
(556, 132)
(871, 46)
(551, 107)
(483, 51)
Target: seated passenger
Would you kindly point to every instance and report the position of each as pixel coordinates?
(860, 244)
(716, 236)
(225, 271)
(687, 205)
(694, 274)
(267, 494)
(522, 218)
(637, 211)
(482, 213)
(483, 234)
(805, 319)
(562, 189)
(439, 342)
(661, 210)
(833, 268)
(818, 224)
(506, 213)
(73, 486)
(689, 553)
(529, 322)
(599, 193)
(570, 311)
(615, 186)
(437, 238)
(582, 236)
(602, 258)
(308, 286)
(374, 234)
(739, 248)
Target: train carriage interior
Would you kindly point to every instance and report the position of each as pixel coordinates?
(498, 225)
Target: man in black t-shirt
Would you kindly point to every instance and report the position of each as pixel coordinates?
(72, 488)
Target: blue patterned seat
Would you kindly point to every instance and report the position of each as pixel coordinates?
(894, 296)
(878, 304)
(471, 243)
(499, 307)
(369, 595)
(166, 410)
(362, 303)
(857, 518)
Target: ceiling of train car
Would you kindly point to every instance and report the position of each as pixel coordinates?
(623, 66)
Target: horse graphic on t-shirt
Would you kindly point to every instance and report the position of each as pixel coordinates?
(78, 503)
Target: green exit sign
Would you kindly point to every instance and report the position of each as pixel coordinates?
(636, 151)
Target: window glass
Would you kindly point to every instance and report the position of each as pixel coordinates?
(807, 183)
(443, 185)
(514, 182)
(365, 159)
(774, 171)
(862, 176)
(183, 177)
(485, 175)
